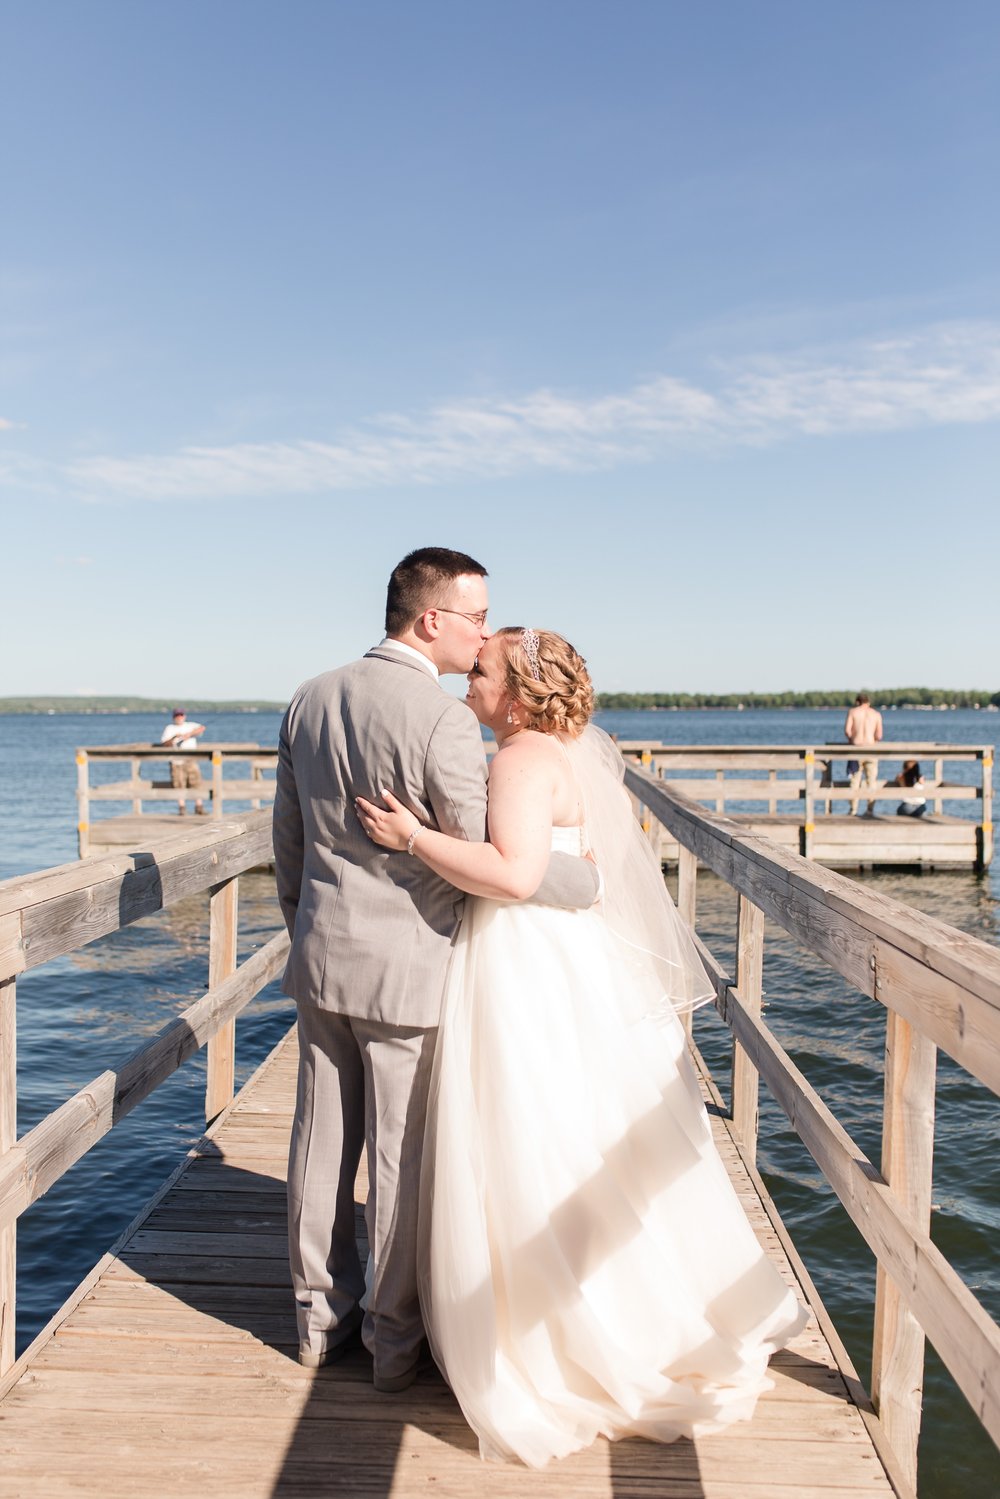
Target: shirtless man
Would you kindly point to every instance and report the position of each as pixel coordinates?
(863, 727)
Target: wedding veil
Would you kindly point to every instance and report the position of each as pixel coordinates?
(655, 944)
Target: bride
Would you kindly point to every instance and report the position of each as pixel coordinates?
(586, 1267)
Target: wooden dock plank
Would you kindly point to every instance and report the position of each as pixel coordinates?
(175, 1373)
(839, 841)
(845, 842)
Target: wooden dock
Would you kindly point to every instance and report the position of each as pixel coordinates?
(147, 780)
(173, 1370)
(800, 797)
(861, 843)
(797, 795)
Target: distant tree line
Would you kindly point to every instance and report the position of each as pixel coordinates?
(882, 697)
(164, 705)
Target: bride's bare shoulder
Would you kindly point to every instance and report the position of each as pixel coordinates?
(529, 742)
(526, 751)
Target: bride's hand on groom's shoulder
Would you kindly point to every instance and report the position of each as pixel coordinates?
(391, 826)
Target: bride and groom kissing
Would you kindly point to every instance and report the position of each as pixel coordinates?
(545, 1202)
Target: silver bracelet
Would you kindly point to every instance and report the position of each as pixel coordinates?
(412, 839)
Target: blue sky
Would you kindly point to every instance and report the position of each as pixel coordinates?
(684, 320)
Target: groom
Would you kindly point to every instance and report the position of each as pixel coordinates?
(371, 934)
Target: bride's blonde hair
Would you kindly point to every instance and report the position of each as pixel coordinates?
(548, 678)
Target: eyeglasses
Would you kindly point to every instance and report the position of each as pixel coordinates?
(478, 619)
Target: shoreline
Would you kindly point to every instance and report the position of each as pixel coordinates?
(610, 702)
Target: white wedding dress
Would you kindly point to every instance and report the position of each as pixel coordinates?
(586, 1267)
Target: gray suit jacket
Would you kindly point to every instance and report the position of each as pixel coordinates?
(371, 930)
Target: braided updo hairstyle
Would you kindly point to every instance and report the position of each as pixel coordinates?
(557, 696)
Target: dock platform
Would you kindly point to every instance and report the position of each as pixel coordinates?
(796, 795)
(859, 843)
(801, 798)
(172, 1370)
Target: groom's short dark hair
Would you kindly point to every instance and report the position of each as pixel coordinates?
(418, 580)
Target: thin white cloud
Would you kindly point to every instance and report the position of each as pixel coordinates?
(941, 376)
(8, 426)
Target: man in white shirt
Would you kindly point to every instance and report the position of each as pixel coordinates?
(184, 774)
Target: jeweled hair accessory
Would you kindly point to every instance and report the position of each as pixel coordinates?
(529, 644)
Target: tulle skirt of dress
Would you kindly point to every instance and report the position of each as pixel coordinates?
(586, 1267)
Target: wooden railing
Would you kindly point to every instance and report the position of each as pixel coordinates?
(46, 915)
(256, 787)
(814, 778)
(940, 988)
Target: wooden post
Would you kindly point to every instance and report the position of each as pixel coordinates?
(8, 1137)
(809, 824)
(772, 805)
(646, 760)
(984, 833)
(720, 795)
(136, 800)
(216, 783)
(221, 1049)
(826, 780)
(939, 777)
(749, 985)
(655, 830)
(687, 895)
(82, 804)
(907, 1165)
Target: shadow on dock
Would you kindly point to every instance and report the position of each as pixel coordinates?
(239, 1289)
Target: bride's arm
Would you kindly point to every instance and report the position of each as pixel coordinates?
(511, 866)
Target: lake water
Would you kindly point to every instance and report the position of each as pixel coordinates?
(83, 1013)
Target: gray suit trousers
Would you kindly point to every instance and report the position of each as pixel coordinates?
(352, 1070)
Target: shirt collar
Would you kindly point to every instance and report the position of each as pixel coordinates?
(408, 650)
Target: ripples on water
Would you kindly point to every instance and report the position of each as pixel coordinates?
(85, 1012)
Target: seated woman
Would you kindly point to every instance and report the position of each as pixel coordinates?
(914, 805)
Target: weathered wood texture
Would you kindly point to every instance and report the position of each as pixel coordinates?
(239, 749)
(959, 1327)
(155, 791)
(942, 981)
(939, 987)
(850, 843)
(749, 982)
(174, 1373)
(221, 1048)
(112, 836)
(804, 778)
(216, 790)
(907, 1165)
(687, 898)
(52, 913)
(61, 909)
(29, 1168)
